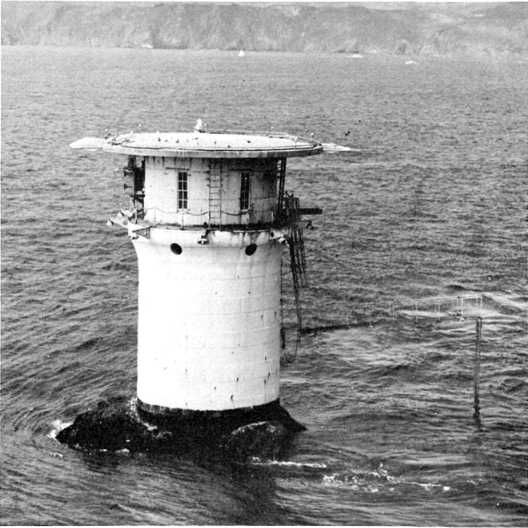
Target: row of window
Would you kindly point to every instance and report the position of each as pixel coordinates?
(183, 190)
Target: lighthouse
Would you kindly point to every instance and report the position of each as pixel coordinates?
(210, 219)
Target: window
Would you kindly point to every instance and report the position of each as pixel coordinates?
(183, 192)
(244, 191)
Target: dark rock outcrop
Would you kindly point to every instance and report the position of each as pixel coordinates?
(264, 432)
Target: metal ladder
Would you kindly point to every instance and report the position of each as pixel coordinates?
(296, 242)
(215, 189)
(298, 258)
(297, 253)
(281, 178)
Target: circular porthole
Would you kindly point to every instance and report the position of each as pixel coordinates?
(251, 249)
(176, 249)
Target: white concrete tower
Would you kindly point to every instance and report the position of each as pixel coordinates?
(209, 219)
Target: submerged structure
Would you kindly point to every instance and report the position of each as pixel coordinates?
(210, 218)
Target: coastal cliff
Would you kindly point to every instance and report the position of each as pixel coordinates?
(398, 28)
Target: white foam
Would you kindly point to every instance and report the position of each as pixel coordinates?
(283, 463)
(57, 427)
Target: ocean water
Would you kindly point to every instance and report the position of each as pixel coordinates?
(429, 204)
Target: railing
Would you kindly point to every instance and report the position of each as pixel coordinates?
(270, 134)
(461, 307)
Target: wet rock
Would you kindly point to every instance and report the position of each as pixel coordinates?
(238, 435)
(262, 439)
(111, 426)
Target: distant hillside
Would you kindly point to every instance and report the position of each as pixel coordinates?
(398, 28)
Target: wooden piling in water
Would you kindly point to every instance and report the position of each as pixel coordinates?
(476, 373)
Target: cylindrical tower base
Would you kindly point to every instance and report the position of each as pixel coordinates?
(209, 318)
(217, 421)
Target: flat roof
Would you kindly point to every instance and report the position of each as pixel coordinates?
(204, 145)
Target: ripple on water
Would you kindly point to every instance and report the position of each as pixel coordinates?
(418, 211)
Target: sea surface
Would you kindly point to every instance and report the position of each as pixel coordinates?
(423, 232)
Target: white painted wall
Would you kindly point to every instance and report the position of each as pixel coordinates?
(209, 320)
(161, 200)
